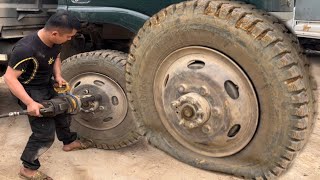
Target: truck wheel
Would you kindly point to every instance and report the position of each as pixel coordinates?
(221, 87)
(109, 122)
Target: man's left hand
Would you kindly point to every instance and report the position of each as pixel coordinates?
(60, 81)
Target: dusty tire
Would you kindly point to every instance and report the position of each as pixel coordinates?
(267, 54)
(95, 72)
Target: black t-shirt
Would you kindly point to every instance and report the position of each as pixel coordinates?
(35, 59)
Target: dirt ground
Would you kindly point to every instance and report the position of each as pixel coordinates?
(140, 161)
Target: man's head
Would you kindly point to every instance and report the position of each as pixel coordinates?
(61, 26)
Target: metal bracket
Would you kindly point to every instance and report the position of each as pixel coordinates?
(23, 12)
(81, 1)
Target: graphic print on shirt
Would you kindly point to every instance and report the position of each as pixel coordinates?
(35, 65)
(51, 60)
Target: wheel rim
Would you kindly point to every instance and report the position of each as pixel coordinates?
(205, 101)
(105, 114)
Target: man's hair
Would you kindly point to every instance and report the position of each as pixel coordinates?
(62, 20)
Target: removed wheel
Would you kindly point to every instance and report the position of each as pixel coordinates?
(221, 87)
(109, 122)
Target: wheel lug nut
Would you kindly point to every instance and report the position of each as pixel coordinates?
(182, 88)
(199, 121)
(206, 129)
(216, 111)
(175, 104)
(192, 125)
(84, 110)
(101, 108)
(204, 91)
(182, 99)
(200, 112)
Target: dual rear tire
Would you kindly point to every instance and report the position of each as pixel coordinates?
(216, 84)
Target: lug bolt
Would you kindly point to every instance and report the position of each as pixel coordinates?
(182, 88)
(86, 91)
(204, 91)
(206, 129)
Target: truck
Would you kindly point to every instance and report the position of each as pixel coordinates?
(220, 85)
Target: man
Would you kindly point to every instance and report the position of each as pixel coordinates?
(35, 59)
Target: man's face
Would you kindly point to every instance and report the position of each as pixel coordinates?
(60, 37)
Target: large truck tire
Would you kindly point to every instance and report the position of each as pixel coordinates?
(221, 86)
(108, 123)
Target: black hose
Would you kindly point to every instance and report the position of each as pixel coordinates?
(10, 114)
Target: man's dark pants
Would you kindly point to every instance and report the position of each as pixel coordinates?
(43, 129)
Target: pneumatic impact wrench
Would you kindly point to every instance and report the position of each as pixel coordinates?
(64, 104)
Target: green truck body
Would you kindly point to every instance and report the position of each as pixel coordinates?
(131, 14)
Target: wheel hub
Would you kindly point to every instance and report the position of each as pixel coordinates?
(192, 110)
(90, 106)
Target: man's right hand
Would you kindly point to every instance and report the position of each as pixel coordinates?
(34, 109)
(11, 79)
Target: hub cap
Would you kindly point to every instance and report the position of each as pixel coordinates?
(205, 101)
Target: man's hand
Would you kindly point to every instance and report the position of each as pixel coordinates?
(60, 81)
(57, 72)
(34, 109)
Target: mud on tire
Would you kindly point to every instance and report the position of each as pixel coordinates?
(267, 54)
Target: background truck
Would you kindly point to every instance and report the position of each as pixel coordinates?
(220, 85)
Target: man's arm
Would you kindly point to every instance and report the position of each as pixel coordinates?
(11, 79)
(57, 71)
